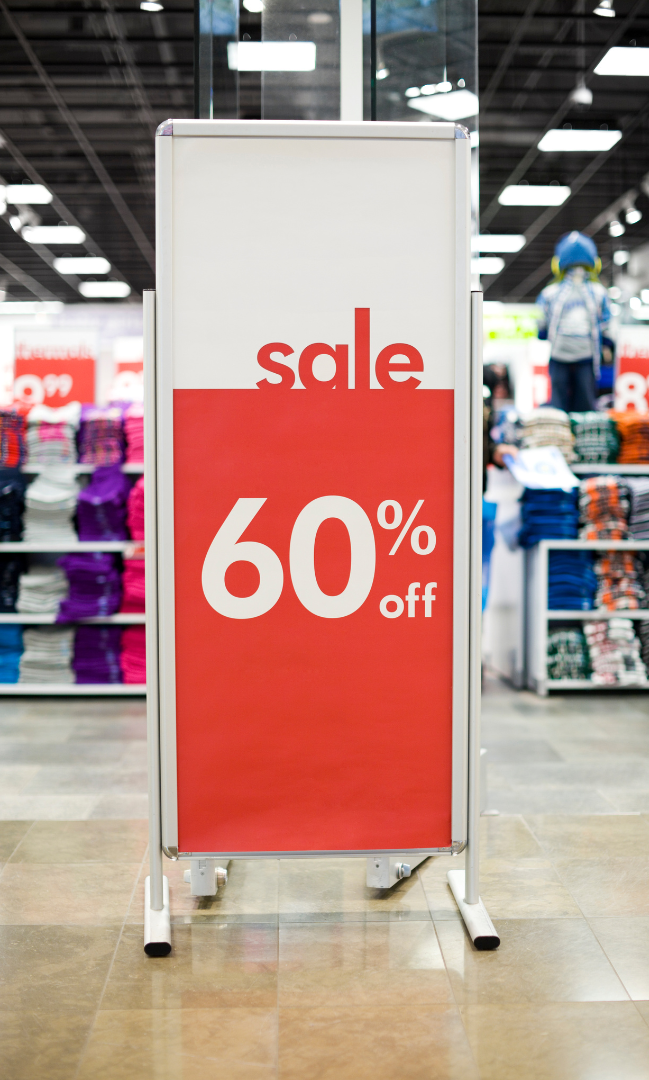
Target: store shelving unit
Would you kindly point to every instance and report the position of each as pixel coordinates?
(538, 615)
(125, 547)
(583, 469)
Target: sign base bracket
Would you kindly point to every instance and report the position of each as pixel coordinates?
(476, 918)
(157, 924)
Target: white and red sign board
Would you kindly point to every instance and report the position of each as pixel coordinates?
(632, 369)
(312, 341)
(53, 367)
(128, 356)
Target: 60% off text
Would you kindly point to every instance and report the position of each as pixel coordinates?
(226, 548)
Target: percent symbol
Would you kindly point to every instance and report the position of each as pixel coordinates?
(417, 533)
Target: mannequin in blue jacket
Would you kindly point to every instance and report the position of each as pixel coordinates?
(575, 314)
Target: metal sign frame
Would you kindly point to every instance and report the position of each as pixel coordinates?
(160, 519)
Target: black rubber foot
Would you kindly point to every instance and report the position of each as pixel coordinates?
(157, 948)
(486, 943)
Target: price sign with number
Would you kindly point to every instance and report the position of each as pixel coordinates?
(313, 486)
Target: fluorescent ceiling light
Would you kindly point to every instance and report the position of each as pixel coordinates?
(94, 265)
(605, 9)
(26, 194)
(640, 312)
(644, 296)
(150, 5)
(623, 61)
(578, 140)
(53, 234)
(491, 265)
(271, 55)
(30, 307)
(104, 289)
(533, 195)
(253, 5)
(501, 242)
(454, 106)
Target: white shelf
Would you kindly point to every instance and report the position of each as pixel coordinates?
(585, 468)
(72, 689)
(68, 546)
(598, 613)
(127, 467)
(587, 684)
(130, 618)
(593, 545)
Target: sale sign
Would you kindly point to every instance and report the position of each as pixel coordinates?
(53, 367)
(311, 618)
(632, 369)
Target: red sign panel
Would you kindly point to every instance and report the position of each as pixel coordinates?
(54, 382)
(313, 602)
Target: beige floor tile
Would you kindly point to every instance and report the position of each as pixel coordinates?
(607, 887)
(538, 960)
(559, 1041)
(626, 943)
(41, 1045)
(507, 837)
(83, 841)
(11, 833)
(181, 1044)
(75, 895)
(251, 890)
(643, 1009)
(524, 888)
(432, 875)
(596, 836)
(411, 1043)
(210, 966)
(335, 964)
(338, 885)
(56, 969)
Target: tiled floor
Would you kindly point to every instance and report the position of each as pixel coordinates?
(296, 970)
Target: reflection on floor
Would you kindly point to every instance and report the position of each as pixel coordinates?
(295, 970)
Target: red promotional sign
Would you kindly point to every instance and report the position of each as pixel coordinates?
(54, 382)
(632, 369)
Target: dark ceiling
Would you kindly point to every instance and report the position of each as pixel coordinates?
(83, 86)
(84, 83)
(531, 52)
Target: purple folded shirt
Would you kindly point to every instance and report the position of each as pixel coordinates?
(97, 654)
(101, 507)
(95, 586)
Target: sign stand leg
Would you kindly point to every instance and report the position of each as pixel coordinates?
(465, 885)
(157, 919)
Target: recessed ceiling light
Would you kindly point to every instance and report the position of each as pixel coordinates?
(533, 195)
(454, 106)
(605, 9)
(383, 73)
(620, 258)
(412, 91)
(633, 215)
(253, 6)
(497, 242)
(53, 234)
(150, 5)
(578, 140)
(100, 290)
(621, 60)
(88, 265)
(26, 194)
(487, 266)
(271, 55)
(616, 228)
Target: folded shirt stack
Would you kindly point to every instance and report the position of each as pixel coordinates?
(11, 647)
(50, 504)
(619, 581)
(133, 658)
(13, 446)
(548, 515)
(639, 514)
(41, 589)
(548, 427)
(604, 506)
(101, 511)
(642, 629)
(633, 430)
(567, 654)
(97, 654)
(136, 510)
(11, 567)
(48, 655)
(596, 437)
(134, 431)
(12, 504)
(571, 580)
(614, 653)
(52, 434)
(101, 435)
(133, 586)
(94, 583)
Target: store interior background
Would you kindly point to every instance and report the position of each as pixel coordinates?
(296, 969)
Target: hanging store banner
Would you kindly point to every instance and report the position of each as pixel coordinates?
(632, 369)
(53, 367)
(313, 483)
